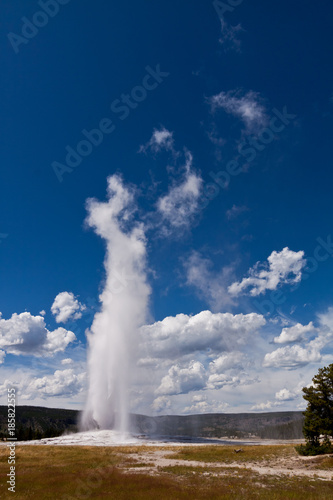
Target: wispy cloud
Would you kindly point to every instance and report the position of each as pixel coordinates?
(178, 207)
(248, 107)
(212, 286)
(229, 36)
(235, 211)
(161, 139)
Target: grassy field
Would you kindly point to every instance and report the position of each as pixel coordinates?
(65, 472)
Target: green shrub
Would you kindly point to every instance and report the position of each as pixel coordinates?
(311, 449)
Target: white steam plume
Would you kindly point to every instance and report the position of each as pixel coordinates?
(114, 331)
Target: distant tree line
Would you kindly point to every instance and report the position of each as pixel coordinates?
(28, 433)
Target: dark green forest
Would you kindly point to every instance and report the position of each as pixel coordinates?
(34, 422)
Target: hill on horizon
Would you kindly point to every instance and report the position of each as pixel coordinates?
(37, 422)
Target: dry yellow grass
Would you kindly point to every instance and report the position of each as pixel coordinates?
(46, 472)
(227, 454)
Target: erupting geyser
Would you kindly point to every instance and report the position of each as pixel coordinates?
(114, 332)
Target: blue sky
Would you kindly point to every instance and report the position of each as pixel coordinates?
(225, 140)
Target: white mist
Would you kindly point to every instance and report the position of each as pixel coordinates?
(113, 336)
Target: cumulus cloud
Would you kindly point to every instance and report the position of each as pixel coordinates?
(180, 204)
(66, 306)
(294, 333)
(201, 352)
(291, 357)
(27, 335)
(232, 360)
(161, 139)
(183, 380)
(211, 285)
(219, 380)
(229, 370)
(285, 395)
(248, 107)
(200, 404)
(61, 383)
(265, 406)
(162, 403)
(2, 356)
(67, 361)
(283, 267)
(182, 334)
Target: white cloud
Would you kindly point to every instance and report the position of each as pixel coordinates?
(27, 335)
(229, 370)
(219, 380)
(42, 312)
(195, 353)
(211, 285)
(67, 361)
(162, 403)
(265, 406)
(183, 380)
(248, 108)
(285, 395)
(282, 268)
(232, 360)
(2, 356)
(60, 383)
(294, 333)
(182, 334)
(200, 404)
(66, 306)
(326, 320)
(178, 207)
(235, 211)
(161, 139)
(292, 356)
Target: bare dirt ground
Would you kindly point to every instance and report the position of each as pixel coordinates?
(309, 467)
